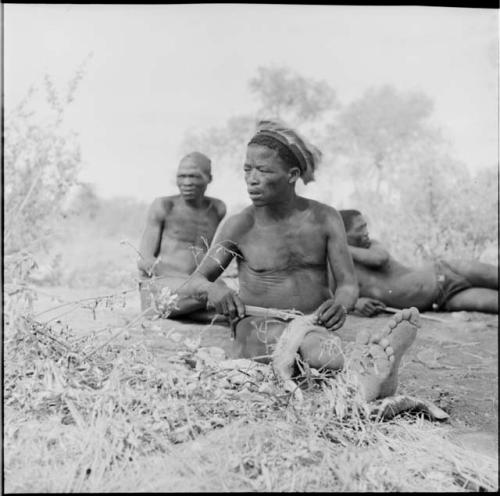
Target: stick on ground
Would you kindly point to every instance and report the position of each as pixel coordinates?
(428, 317)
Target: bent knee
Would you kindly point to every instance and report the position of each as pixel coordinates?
(320, 349)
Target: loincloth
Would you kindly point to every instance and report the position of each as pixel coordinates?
(449, 283)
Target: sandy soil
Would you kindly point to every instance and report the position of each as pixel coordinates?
(453, 363)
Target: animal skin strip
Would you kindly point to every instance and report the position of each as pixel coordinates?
(288, 346)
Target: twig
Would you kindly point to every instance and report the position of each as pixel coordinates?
(131, 323)
(53, 339)
(24, 201)
(91, 298)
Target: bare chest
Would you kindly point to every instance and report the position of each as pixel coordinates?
(283, 248)
(191, 225)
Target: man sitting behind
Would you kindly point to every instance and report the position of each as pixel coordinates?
(446, 285)
(178, 229)
(283, 244)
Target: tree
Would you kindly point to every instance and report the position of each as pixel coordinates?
(83, 200)
(372, 132)
(286, 95)
(41, 163)
(221, 144)
(281, 93)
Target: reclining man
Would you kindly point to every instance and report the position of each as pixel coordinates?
(178, 229)
(447, 285)
(283, 244)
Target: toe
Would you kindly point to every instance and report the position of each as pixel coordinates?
(392, 323)
(384, 343)
(398, 317)
(405, 314)
(414, 316)
(389, 350)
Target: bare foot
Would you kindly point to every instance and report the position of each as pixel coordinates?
(375, 357)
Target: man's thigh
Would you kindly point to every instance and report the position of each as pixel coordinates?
(474, 299)
(320, 347)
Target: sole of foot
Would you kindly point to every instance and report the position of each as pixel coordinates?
(379, 354)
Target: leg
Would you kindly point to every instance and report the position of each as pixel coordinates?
(474, 299)
(256, 337)
(477, 273)
(374, 359)
(322, 350)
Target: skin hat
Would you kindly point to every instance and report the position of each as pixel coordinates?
(203, 163)
(307, 155)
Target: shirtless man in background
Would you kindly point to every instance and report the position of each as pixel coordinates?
(283, 244)
(447, 285)
(178, 229)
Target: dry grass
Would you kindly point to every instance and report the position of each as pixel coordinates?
(98, 414)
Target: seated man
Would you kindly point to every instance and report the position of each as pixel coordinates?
(283, 244)
(178, 229)
(447, 285)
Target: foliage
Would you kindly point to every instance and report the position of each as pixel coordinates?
(100, 412)
(223, 145)
(383, 146)
(420, 201)
(281, 94)
(41, 163)
(41, 159)
(286, 95)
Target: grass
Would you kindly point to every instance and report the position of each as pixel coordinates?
(90, 413)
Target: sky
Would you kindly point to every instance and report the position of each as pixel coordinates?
(156, 71)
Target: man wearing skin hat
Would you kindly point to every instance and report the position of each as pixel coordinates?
(278, 233)
(178, 229)
(284, 245)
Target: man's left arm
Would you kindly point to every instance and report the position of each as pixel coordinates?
(332, 313)
(375, 257)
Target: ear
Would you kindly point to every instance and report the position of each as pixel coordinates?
(293, 175)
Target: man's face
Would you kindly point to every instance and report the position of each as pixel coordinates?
(192, 179)
(266, 175)
(358, 233)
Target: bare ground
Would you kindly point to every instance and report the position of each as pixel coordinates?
(452, 363)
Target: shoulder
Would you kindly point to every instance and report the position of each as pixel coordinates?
(219, 206)
(238, 224)
(325, 214)
(162, 205)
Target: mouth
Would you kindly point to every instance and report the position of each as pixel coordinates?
(254, 194)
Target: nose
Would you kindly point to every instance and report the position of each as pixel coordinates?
(252, 177)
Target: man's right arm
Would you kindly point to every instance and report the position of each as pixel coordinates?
(149, 247)
(374, 257)
(203, 284)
